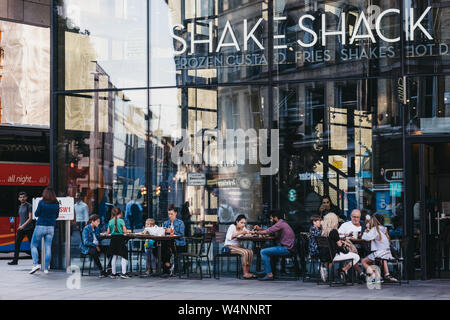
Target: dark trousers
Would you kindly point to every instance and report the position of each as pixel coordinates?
(169, 249)
(20, 235)
(96, 257)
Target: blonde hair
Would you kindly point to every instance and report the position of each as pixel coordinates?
(330, 222)
(150, 221)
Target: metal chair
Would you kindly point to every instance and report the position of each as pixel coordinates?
(83, 257)
(325, 251)
(220, 238)
(136, 246)
(197, 250)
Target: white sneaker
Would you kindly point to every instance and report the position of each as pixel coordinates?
(46, 271)
(323, 273)
(35, 268)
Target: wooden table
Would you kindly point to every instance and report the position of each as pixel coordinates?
(258, 240)
(140, 236)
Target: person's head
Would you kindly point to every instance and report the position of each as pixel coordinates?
(116, 213)
(275, 216)
(150, 223)
(94, 220)
(316, 221)
(172, 212)
(330, 222)
(23, 197)
(355, 216)
(78, 196)
(326, 202)
(240, 221)
(49, 195)
(380, 218)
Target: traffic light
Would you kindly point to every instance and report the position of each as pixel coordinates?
(143, 191)
(158, 190)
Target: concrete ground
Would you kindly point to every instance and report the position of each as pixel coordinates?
(16, 283)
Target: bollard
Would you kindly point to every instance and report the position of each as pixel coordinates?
(42, 254)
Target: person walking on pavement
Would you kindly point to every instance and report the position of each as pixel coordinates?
(26, 225)
(46, 213)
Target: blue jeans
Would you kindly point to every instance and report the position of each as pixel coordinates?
(47, 233)
(272, 251)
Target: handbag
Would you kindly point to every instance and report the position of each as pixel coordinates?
(350, 246)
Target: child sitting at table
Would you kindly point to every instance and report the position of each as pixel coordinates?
(314, 231)
(150, 247)
(378, 236)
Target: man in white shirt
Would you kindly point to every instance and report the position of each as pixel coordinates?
(81, 212)
(351, 229)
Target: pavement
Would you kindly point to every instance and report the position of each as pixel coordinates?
(16, 283)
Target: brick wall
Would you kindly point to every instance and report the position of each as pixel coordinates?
(35, 12)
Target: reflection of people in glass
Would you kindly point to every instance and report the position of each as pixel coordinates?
(225, 212)
(133, 214)
(81, 211)
(186, 217)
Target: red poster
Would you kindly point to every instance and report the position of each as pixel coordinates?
(24, 175)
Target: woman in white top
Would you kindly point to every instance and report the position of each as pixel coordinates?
(231, 242)
(378, 236)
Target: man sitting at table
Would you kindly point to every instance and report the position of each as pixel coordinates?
(284, 233)
(180, 244)
(352, 229)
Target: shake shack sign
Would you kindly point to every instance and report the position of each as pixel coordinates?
(241, 42)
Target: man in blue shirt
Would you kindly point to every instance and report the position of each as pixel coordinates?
(169, 248)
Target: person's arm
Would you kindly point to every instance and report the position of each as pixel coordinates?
(276, 227)
(124, 229)
(369, 235)
(30, 217)
(180, 229)
(37, 213)
(85, 238)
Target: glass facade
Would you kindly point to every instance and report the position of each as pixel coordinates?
(233, 106)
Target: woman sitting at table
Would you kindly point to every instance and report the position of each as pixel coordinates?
(231, 242)
(117, 247)
(90, 242)
(338, 251)
(378, 236)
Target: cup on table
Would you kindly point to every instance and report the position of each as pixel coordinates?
(171, 232)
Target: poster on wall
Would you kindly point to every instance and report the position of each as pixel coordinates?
(66, 210)
(384, 205)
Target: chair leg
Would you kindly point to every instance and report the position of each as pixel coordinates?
(209, 266)
(82, 266)
(90, 265)
(199, 265)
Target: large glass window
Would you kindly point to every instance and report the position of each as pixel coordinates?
(24, 74)
(102, 44)
(338, 139)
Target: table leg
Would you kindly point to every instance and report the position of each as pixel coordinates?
(158, 244)
(258, 256)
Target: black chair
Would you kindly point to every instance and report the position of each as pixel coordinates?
(220, 238)
(197, 250)
(293, 255)
(310, 264)
(325, 251)
(83, 257)
(136, 247)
